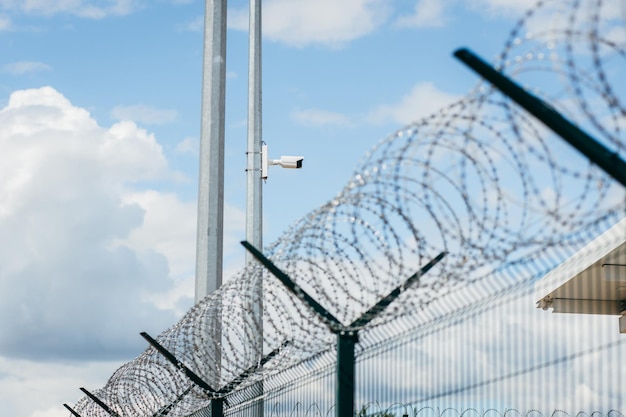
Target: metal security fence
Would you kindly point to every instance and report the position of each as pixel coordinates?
(416, 279)
(480, 356)
(407, 410)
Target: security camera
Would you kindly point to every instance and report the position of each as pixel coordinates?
(294, 162)
(289, 161)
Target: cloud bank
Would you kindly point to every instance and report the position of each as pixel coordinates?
(73, 290)
(330, 23)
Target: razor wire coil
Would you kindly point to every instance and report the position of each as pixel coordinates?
(480, 179)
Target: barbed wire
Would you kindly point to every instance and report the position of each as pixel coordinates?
(481, 180)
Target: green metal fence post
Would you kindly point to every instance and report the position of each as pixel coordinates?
(347, 336)
(346, 341)
(100, 403)
(217, 407)
(74, 413)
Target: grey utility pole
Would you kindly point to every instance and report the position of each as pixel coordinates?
(254, 198)
(210, 231)
(209, 244)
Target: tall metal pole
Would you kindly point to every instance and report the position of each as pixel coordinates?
(209, 244)
(254, 201)
(254, 209)
(210, 231)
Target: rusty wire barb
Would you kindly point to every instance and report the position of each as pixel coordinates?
(481, 180)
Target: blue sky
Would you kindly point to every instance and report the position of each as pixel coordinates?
(99, 128)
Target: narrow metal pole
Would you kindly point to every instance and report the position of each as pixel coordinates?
(254, 220)
(211, 178)
(346, 342)
(254, 200)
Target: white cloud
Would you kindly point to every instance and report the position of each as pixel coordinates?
(423, 100)
(144, 114)
(83, 8)
(427, 13)
(325, 22)
(32, 389)
(5, 23)
(195, 25)
(50, 412)
(188, 146)
(25, 67)
(436, 13)
(502, 7)
(169, 227)
(69, 293)
(318, 117)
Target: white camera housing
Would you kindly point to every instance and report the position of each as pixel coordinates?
(293, 162)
